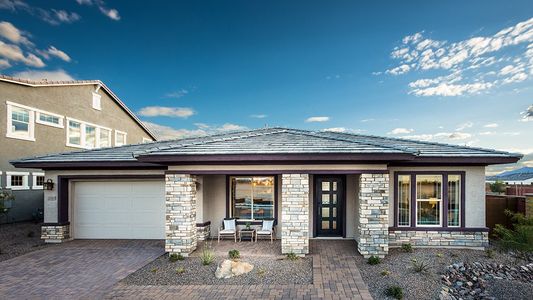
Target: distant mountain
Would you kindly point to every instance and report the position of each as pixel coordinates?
(526, 161)
(524, 170)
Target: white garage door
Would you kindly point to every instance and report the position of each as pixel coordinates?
(119, 210)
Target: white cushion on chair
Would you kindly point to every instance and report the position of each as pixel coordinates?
(266, 232)
(227, 231)
(267, 225)
(229, 224)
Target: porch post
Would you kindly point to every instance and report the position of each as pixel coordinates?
(180, 223)
(295, 214)
(373, 215)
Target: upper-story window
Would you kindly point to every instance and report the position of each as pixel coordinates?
(97, 101)
(20, 122)
(49, 119)
(120, 138)
(85, 135)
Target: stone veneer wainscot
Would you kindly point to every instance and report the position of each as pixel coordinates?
(55, 233)
(439, 238)
(180, 223)
(295, 214)
(373, 215)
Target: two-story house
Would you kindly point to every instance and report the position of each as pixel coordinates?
(43, 117)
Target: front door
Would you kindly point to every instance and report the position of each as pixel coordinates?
(329, 205)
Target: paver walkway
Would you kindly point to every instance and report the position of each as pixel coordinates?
(335, 276)
(74, 270)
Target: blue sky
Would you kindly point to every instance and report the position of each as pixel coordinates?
(445, 71)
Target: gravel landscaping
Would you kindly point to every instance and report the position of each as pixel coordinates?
(190, 271)
(20, 238)
(398, 268)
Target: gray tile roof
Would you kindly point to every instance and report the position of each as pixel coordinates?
(271, 141)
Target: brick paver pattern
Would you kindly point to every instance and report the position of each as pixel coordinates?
(335, 276)
(80, 269)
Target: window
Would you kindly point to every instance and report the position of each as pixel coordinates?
(105, 137)
(74, 133)
(90, 136)
(454, 200)
(17, 180)
(97, 103)
(120, 138)
(428, 200)
(20, 122)
(252, 198)
(404, 200)
(38, 180)
(50, 119)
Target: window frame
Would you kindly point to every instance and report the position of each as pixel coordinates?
(117, 132)
(229, 210)
(397, 192)
(34, 185)
(24, 185)
(83, 134)
(39, 121)
(97, 101)
(441, 200)
(444, 202)
(31, 122)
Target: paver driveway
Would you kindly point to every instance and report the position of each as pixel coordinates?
(76, 269)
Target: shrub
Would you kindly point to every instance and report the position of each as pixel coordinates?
(374, 260)
(234, 254)
(497, 187)
(174, 257)
(31, 234)
(261, 272)
(207, 257)
(385, 273)
(292, 256)
(407, 247)
(153, 270)
(420, 267)
(180, 270)
(439, 255)
(489, 253)
(520, 238)
(395, 292)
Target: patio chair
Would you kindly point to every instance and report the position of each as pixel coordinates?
(229, 229)
(266, 230)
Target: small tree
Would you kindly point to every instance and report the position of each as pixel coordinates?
(520, 238)
(498, 187)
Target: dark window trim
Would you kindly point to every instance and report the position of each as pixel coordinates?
(63, 183)
(412, 226)
(464, 229)
(228, 197)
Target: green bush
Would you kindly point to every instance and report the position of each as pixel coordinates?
(395, 292)
(489, 253)
(385, 273)
(207, 257)
(180, 270)
(497, 187)
(292, 256)
(31, 234)
(420, 267)
(407, 247)
(374, 260)
(174, 257)
(520, 238)
(234, 254)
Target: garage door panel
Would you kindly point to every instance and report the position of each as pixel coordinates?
(119, 210)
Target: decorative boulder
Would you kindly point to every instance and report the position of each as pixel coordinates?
(229, 268)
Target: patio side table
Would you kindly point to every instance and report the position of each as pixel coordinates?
(247, 233)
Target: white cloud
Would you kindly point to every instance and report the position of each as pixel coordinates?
(85, 2)
(441, 136)
(258, 116)
(464, 126)
(459, 136)
(57, 75)
(168, 133)
(367, 120)
(231, 127)
(317, 119)
(527, 115)
(491, 125)
(53, 17)
(335, 129)
(158, 111)
(474, 71)
(177, 94)
(53, 51)
(13, 34)
(110, 13)
(487, 133)
(4, 64)
(401, 131)
(14, 53)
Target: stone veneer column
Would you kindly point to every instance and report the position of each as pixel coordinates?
(180, 224)
(55, 233)
(295, 214)
(373, 215)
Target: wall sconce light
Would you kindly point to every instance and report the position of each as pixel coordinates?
(48, 185)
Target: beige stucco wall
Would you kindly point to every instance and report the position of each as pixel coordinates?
(69, 101)
(474, 192)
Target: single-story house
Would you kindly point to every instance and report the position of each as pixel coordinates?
(380, 191)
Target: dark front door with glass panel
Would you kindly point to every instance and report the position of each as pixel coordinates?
(329, 202)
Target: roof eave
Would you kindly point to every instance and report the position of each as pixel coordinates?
(86, 165)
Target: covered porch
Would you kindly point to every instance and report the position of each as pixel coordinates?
(341, 202)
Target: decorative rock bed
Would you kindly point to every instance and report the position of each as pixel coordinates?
(470, 281)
